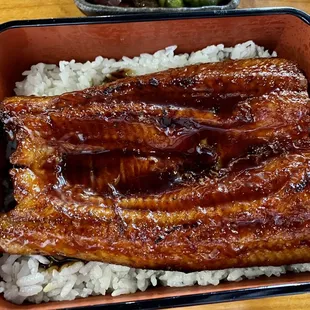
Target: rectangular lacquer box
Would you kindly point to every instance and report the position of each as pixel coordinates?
(23, 43)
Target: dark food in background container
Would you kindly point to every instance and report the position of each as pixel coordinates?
(286, 30)
(103, 7)
(162, 3)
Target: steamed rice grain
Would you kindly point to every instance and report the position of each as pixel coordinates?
(28, 278)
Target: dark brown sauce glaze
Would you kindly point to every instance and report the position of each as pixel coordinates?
(121, 173)
(118, 74)
(203, 167)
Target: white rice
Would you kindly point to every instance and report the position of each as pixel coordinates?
(24, 278)
(48, 80)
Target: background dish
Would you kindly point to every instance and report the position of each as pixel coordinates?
(97, 9)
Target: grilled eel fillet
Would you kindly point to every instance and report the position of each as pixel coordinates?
(202, 167)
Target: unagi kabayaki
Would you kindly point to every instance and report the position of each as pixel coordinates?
(201, 167)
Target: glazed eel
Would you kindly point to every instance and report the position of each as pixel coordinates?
(202, 167)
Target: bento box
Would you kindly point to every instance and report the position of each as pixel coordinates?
(24, 43)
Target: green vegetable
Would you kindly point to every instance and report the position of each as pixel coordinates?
(197, 3)
(174, 3)
(171, 3)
